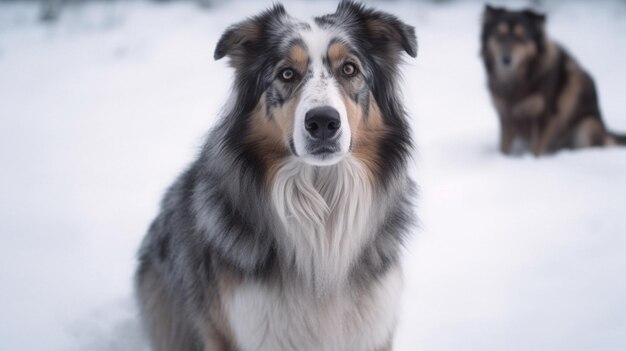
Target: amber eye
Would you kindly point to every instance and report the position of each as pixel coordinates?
(287, 74)
(349, 69)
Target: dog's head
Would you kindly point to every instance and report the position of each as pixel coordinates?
(318, 90)
(511, 39)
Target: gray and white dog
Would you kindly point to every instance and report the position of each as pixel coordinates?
(286, 231)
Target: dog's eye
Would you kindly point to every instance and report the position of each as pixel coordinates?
(287, 75)
(349, 69)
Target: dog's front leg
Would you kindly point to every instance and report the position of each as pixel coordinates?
(535, 137)
(506, 124)
(506, 135)
(546, 139)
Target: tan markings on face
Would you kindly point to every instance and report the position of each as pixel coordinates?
(519, 31)
(493, 47)
(367, 131)
(503, 28)
(366, 134)
(298, 59)
(338, 55)
(524, 52)
(270, 136)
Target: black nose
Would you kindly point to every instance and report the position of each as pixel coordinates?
(506, 60)
(322, 122)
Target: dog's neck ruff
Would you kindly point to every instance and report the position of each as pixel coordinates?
(325, 212)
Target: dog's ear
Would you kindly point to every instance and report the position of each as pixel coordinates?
(492, 9)
(535, 17)
(381, 28)
(237, 37)
(490, 12)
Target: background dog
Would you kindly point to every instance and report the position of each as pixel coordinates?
(543, 96)
(285, 233)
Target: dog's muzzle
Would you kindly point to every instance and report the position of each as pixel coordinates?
(322, 125)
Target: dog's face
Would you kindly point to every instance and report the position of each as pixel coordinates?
(310, 87)
(313, 87)
(511, 39)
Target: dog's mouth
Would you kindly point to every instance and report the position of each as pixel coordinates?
(323, 153)
(323, 148)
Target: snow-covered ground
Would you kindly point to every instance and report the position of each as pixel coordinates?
(99, 112)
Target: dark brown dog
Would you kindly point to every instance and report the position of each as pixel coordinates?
(544, 98)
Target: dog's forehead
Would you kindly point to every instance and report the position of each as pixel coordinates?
(319, 38)
(315, 35)
(512, 17)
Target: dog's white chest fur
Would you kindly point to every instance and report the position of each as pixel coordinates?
(327, 219)
(269, 318)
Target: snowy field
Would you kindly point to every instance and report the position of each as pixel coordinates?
(100, 112)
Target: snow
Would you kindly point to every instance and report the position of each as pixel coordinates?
(102, 110)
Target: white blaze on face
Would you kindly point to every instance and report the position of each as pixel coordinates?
(321, 89)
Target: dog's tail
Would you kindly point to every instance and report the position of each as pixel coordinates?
(613, 139)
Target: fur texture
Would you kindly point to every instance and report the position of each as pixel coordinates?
(275, 238)
(326, 212)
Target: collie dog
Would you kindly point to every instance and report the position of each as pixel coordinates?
(545, 99)
(285, 233)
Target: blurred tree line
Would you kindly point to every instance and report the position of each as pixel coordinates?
(51, 10)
